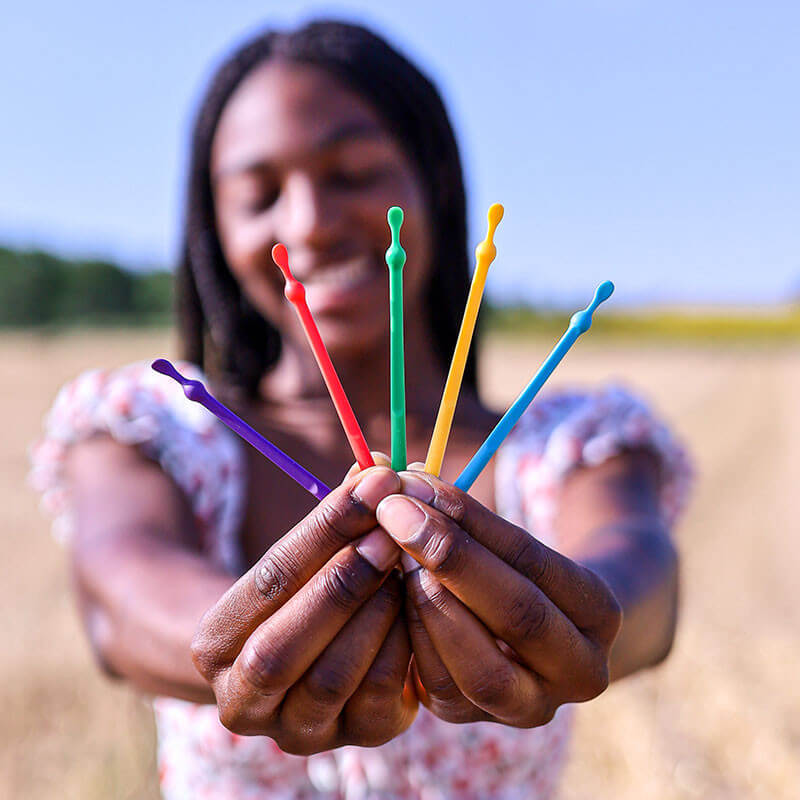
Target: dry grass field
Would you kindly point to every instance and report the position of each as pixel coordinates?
(720, 719)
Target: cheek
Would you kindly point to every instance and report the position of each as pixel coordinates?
(417, 240)
(246, 248)
(415, 235)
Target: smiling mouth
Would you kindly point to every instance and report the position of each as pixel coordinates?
(345, 275)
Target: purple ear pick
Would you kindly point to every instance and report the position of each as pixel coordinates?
(198, 393)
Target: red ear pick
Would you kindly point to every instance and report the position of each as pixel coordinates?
(296, 294)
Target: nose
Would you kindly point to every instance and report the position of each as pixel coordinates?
(307, 218)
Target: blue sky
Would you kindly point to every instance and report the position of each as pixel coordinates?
(654, 144)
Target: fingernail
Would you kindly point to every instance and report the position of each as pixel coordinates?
(415, 486)
(377, 483)
(400, 517)
(380, 459)
(410, 564)
(378, 549)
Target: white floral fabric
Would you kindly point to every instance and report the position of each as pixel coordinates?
(434, 760)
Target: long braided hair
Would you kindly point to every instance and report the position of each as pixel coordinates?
(219, 328)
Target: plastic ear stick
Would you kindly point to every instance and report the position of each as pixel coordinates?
(484, 255)
(198, 393)
(296, 294)
(395, 260)
(580, 323)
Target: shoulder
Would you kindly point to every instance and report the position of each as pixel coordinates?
(135, 406)
(129, 400)
(572, 428)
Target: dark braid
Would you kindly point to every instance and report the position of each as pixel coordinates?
(219, 328)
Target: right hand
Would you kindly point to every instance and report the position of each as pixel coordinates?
(310, 647)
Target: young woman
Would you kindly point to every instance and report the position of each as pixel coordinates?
(209, 579)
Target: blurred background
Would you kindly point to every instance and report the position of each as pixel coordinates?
(653, 145)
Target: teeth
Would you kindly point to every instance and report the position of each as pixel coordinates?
(344, 274)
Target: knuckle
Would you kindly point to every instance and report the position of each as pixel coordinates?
(612, 613)
(204, 655)
(541, 566)
(595, 679)
(382, 682)
(606, 618)
(457, 712)
(234, 718)
(346, 585)
(538, 714)
(527, 619)
(450, 501)
(494, 691)
(429, 598)
(300, 743)
(446, 696)
(334, 516)
(262, 668)
(526, 559)
(330, 685)
(374, 723)
(445, 550)
(271, 578)
(244, 718)
(332, 520)
(389, 597)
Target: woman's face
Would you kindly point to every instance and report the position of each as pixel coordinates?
(298, 158)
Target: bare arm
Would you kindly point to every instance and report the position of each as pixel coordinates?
(142, 583)
(609, 521)
(506, 629)
(308, 647)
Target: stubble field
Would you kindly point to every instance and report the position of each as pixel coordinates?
(720, 719)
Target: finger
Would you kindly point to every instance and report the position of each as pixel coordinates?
(285, 645)
(577, 591)
(519, 613)
(484, 675)
(439, 691)
(380, 459)
(313, 704)
(384, 705)
(406, 561)
(250, 712)
(345, 514)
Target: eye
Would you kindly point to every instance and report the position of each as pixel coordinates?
(248, 193)
(258, 199)
(346, 179)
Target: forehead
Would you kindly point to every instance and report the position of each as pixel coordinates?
(283, 110)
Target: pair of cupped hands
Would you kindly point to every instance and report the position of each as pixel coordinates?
(326, 642)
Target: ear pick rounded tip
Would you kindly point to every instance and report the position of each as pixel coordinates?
(281, 258)
(495, 214)
(604, 291)
(395, 215)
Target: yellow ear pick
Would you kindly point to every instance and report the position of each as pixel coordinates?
(485, 253)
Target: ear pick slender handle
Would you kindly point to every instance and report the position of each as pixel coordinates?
(580, 323)
(296, 294)
(195, 391)
(395, 260)
(485, 253)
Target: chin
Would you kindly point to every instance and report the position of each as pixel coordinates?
(349, 336)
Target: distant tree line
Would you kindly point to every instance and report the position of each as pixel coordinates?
(40, 289)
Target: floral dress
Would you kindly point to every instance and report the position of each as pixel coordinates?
(433, 760)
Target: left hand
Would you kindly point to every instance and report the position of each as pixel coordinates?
(502, 627)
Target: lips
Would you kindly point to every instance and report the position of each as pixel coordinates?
(342, 285)
(342, 274)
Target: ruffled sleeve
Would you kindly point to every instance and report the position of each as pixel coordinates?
(570, 429)
(139, 407)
